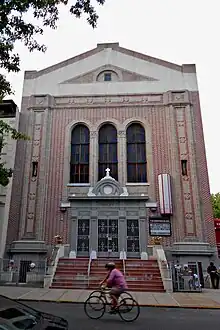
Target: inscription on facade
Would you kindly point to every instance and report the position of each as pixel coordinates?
(96, 100)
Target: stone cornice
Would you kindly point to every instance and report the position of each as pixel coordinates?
(178, 98)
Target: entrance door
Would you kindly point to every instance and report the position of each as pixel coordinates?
(133, 238)
(83, 237)
(24, 269)
(108, 238)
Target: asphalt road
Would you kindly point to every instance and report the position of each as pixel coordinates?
(149, 319)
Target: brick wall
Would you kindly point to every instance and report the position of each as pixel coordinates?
(160, 122)
(202, 170)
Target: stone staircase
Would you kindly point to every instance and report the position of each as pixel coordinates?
(71, 274)
(141, 275)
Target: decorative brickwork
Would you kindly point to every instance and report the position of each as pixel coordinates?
(162, 134)
(173, 127)
(202, 173)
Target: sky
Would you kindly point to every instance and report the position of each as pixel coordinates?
(176, 31)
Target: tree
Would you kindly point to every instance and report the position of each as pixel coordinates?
(215, 198)
(14, 27)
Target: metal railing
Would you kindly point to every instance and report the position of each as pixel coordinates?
(186, 277)
(52, 254)
(123, 258)
(92, 257)
(23, 272)
(89, 267)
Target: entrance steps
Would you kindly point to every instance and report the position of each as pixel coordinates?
(141, 275)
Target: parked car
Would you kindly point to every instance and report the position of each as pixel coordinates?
(15, 315)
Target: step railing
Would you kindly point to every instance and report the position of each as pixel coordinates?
(57, 253)
(164, 268)
(93, 256)
(123, 257)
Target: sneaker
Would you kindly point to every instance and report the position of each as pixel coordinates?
(113, 310)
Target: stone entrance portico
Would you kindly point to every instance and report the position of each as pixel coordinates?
(108, 220)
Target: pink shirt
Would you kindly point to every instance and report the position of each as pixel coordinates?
(116, 278)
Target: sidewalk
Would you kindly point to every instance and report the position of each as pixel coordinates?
(209, 299)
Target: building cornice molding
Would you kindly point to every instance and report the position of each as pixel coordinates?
(174, 98)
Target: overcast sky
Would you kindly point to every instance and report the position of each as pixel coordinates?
(176, 31)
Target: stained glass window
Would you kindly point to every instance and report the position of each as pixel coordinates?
(136, 154)
(108, 155)
(79, 164)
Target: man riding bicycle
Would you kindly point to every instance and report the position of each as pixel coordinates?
(116, 281)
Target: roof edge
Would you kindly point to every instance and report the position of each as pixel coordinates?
(185, 68)
(34, 74)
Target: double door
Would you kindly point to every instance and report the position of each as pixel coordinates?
(108, 237)
(103, 235)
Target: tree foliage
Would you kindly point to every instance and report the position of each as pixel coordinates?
(215, 198)
(14, 27)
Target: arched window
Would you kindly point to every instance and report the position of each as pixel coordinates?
(136, 154)
(79, 164)
(108, 155)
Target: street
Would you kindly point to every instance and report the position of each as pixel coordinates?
(149, 319)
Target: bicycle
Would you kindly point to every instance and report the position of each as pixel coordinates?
(104, 293)
(126, 307)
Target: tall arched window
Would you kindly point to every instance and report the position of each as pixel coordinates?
(136, 154)
(79, 164)
(108, 155)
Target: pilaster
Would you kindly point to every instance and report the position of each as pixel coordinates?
(122, 168)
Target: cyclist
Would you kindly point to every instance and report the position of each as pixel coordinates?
(116, 281)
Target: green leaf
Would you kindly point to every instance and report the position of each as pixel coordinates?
(14, 27)
(215, 198)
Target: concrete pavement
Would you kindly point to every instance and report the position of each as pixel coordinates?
(209, 299)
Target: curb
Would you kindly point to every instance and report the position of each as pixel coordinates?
(141, 305)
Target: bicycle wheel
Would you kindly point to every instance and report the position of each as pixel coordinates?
(94, 307)
(129, 310)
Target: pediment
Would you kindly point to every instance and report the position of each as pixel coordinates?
(85, 74)
(120, 74)
(107, 187)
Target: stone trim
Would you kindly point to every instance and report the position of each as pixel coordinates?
(67, 155)
(36, 74)
(187, 68)
(177, 98)
(122, 74)
(149, 151)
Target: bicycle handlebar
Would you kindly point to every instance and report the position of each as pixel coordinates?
(104, 288)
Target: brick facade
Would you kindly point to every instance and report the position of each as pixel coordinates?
(173, 126)
(161, 123)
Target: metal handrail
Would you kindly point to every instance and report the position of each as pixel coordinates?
(123, 261)
(89, 267)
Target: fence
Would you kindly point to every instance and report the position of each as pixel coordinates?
(22, 272)
(187, 278)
